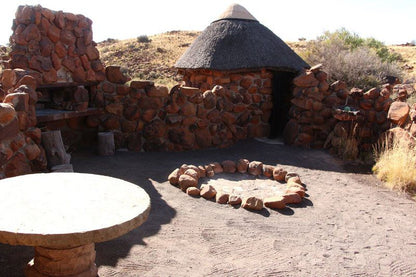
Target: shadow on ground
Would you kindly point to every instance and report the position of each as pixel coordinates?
(144, 168)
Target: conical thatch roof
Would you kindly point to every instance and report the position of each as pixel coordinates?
(238, 41)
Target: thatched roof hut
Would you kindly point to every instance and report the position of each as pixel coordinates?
(238, 41)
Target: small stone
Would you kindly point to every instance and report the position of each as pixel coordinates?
(275, 202)
(208, 192)
(222, 198)
(242, 165)
(193, 191)
(234, 200)
(279, 174)
(186, 181)
(209, 171)
(294, 185)
(229, 166)
(252, 203)
(7, 113)
(294, 179)
(174, 177)
(202, 171)
(217, 167)
(398, 112)
(268, 170)
(296, 190)
(292, 198)
(192, 172)
(255, 168)
(306, 79)
(114, 74)
(290, 175)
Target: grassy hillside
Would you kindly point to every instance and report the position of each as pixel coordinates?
(153, 57)
(148, 58)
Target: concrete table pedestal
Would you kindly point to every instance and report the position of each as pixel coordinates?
(63, 214)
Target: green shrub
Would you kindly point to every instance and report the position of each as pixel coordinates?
(143, 39)
(360, 62)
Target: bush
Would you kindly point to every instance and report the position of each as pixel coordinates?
(396, 164)
(359, 62)
(143, 39)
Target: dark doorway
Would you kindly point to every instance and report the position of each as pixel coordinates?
(282, 93)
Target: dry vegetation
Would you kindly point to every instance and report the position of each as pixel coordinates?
(152, 57)
(395, 165)
(408, 52)
(148, 58)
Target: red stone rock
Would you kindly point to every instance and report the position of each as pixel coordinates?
(32, 33)
(186, 181)
(112, 123)
(7, 113)
(398, 112)
(279, 174)
(255, 168)
(275, 202)
(115, 75)
(157, 91)
(209, 171)
(50, 76)
(174, 177)
(188, 109)
(292, 198)
(19, 100)
(54, 33)
(192, 172)
(189, 91)
(35, 134)
(242, 165)
(123, 90)
(268, 170)
(234, 200)
(93, 54)
(306, 79)
(297, 190)
(217, 167)
(17, 165)
(32, 151)
(193, 191)
(8, 78)
(222, 198)
(252, 203)
(229, 166)
(208, 191)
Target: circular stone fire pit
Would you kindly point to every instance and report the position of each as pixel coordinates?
(256, 186)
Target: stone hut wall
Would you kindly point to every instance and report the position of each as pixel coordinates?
(20, 140)
(146, 116)
(55, 44)
(320, 118)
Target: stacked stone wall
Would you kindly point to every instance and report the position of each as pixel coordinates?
(326, 115)
(145, 116)
(20, 140)
(57, 45)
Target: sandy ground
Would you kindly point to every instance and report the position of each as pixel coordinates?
(348, 225)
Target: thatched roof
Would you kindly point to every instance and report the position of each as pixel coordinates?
(238, 41)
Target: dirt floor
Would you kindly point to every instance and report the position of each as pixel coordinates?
(348, 225)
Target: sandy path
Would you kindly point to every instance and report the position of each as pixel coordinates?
(348, 226)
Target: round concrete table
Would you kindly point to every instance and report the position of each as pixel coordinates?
(63, 214)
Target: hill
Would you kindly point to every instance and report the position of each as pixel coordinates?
(152, 57)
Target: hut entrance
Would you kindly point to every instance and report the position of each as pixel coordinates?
(282, 84)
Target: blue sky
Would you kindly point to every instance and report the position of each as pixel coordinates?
(391, 21)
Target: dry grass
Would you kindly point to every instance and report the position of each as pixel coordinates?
(396, 164)
(151, 60)
(409, 58)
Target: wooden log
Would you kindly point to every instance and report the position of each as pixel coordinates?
(62, 168)
(106, 143)
(54, 148)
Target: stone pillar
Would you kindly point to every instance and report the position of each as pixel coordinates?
(78, 261)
